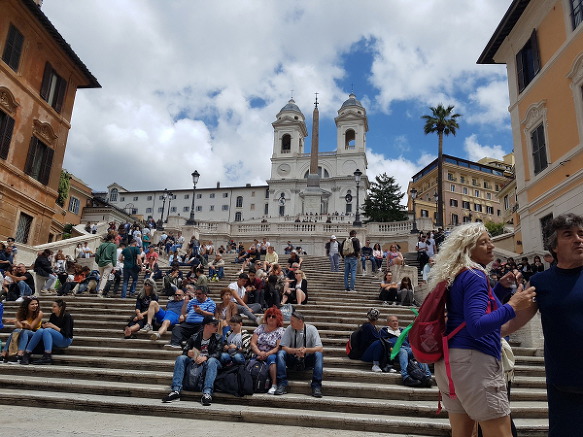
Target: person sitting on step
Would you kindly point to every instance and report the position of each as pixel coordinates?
(205, 349)
(301, 349)
(58, 331)
(388, 290)
(405, 292)
(392, 332)
(296, 290)
(369, 346)
(237, 342)
(165, 318)
(225, 310)
(28, 321)
(195, 308)
(145, 297)
(265, 342)
(217, 268)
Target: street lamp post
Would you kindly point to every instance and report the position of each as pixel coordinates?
(170, 197)
(357, 176)
(160, 224)
(413, 193)
(436, 197)
(195, 175)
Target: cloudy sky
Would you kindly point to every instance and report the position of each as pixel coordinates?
(192, 84)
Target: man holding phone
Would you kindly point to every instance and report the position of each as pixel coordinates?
(194, 309)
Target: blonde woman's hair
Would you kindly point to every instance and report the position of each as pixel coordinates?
(303, 274)
(454, 253)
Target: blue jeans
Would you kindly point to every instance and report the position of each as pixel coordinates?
(212, 367)
(237, 358)
(179, 371)
(127, 273)
(50, 337)
(24, 288)
(220, 270)
(350, 270)
(405, 353)
(315, 361)
(374, 352)
(334, 262)
(25, 335)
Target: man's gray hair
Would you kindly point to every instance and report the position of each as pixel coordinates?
(298, 315)
(563, 221)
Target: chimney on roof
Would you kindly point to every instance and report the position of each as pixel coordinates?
(218, 185)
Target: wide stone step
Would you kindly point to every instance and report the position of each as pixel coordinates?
(366, 423)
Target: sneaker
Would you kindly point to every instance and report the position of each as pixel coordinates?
(173, 346)
(206, 399)
(271, 391)
(20, 299)
(155, 336)
(352, 290)
(25, 359)
(147, 328)
(280, 390)
(389, 369)
(100, 295)
(385, 303)
(171, 397)
(363, 273)
(427, 382)
(16, 359)
(376, 369)
(45, 359)
(410, 382)
(317, 392)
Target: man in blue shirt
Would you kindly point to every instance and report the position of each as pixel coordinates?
(196, 306)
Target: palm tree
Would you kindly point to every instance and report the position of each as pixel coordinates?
(443, 122)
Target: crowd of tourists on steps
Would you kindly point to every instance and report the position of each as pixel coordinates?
(486, 300)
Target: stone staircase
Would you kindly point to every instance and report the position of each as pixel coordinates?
(101, 371)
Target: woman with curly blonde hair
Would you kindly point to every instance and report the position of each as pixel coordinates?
(475, 351)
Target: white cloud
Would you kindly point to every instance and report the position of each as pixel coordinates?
(477, 151)
(206, 63)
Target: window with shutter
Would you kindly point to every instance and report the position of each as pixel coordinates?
(6, 128)
(528, 62)
(39, 161)
(539, 150)
(13, 48)
(53, 88)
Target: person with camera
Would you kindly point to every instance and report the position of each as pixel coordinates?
(301, 349)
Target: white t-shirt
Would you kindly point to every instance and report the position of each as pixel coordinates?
(240, 291)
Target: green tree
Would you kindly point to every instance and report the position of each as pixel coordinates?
(494, 228)
(443, 122)
(383, 203)
(64, 187)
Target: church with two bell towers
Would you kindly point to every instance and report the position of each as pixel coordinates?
(301, 183)
(317, 182)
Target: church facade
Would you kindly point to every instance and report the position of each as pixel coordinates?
(332, 193)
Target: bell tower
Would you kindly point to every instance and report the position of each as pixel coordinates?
(289, 131)
(351, 127)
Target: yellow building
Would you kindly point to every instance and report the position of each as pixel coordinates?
(39, 77)
(541, 43)
(470, 190)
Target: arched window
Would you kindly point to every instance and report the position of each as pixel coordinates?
(350, 139)
(239, 202)
(113, 195)
(286, 143)
(237, 216)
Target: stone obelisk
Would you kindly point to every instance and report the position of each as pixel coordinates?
(313, 192)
